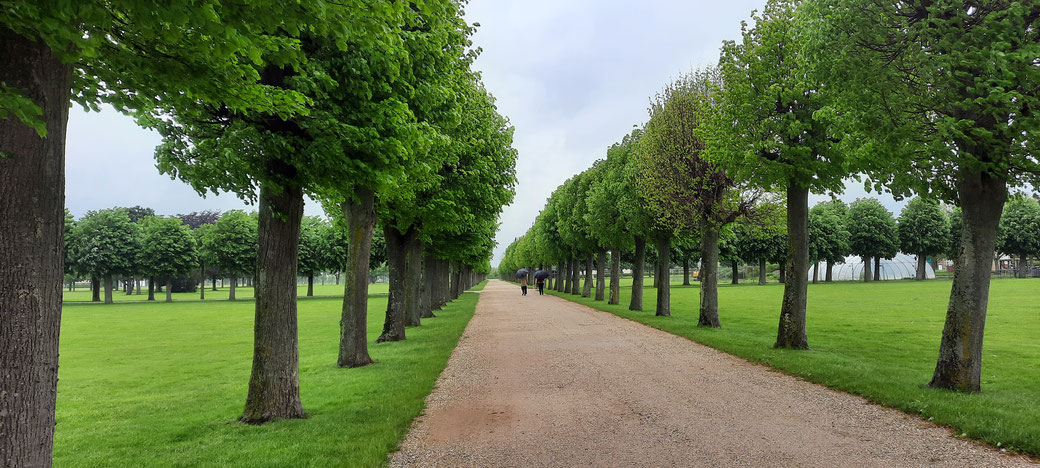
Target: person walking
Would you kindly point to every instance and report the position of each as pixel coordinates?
(539, 277)
(523, 285)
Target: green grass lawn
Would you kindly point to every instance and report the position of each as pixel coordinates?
(157, 384)
(881, 340)
(241, 292)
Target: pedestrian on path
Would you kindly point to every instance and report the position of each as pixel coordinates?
(523, 285)
(540, 277)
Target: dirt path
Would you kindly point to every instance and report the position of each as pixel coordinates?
(540, 381)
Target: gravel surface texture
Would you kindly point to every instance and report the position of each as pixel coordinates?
(541, 381)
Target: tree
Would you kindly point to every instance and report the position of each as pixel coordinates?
(167, 250)
(312, 249)
(232, 242)
(106, 245)
(954, 118)
(1019, 233)
(828, 235)
(763, 241)
(923, 230)
(873, 234)
(196, 219)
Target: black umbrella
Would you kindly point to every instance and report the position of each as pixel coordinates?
(521, 273)
(541, 274)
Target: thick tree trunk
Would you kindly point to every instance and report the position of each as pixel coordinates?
(736, 272)
(214, 285)
(601, 275)
(108, 289)
(1020, 271)
(816, 272)
(32, 214)
(234, 284)
(202, 284)
(615, 277)
(921, 268)
(575, 276)
(868, 274)
(783, 271)
(310, 284)
(877, 268)
(128, 287)
(274, 389)
(397, 263)
(586, 289)
(353, 325)
(830, 271)
(959, 366)
(636, 303)
(95, 287)
(709, 277)
(657, 272)
(445, 282)
(565, 277)
(664, 300)
(413, 280)
(137, 284)
(151, 289)
(791, 332)
(762, 271)
(169, 290)
(429, 275)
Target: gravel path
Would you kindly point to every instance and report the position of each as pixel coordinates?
(540, 381)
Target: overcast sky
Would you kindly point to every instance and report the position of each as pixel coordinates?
(573, 76)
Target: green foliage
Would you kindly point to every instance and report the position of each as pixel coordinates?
(765, 238)
(313, 246)
(1020, 228)
(872, 229)
(923, 228)
(69, 244)
(232, 242)
(105, 242)
(168, 248)
(828, 234)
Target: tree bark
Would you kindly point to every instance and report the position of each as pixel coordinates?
(151, 289)
(137, 284)
(128, 288)
(816, 272)
(413, 279)
(353, 325)
(108, 289)
(169, 290)
(565, 277)
(686, 271)
(736, 272)
(1021, 270)
(397, 263)
(575, 276)
(234, 284)
(601, 274)
(921, 262)
(791, 331)
(636, 303)
(762, 271)
(202, 284)
(95, 287)
(586, 289)
(429, 275)
(959, 366)
(830, 271)
(664, 301)
(214, 285)
(615, 277)
(32, 219)
(709, 278)
(274, 389)
(310, 284)
(877, 268)
(783, 271)
(868, 276)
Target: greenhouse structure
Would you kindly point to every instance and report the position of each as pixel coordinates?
(901, 267)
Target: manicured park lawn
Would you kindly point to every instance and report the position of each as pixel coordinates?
(82, 294)
(157, 384)
(881, 340)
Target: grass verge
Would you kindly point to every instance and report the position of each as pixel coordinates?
(880, 340)
(157, 384)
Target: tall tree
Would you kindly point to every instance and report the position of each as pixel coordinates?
(107, 245)
(1019, 233)
(312, 248)
(947, 91)
(923, 231)
(232, 242)
(168, 249)
(873, 234)
(828, 235)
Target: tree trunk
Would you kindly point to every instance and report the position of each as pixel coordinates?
(137, 284)
(816, 272)
(413, 279)
(151, 288)
(791, 331)
(601, 274)
(429, 275)
(959, 366)
(736, 272)
(830, 271)
(397, 263)
(709, 278)
(214, 285)
(202, 284)
(128, 288)
(783, 271)
(586, 289)
(877, 268)
(1021, 270)
(337, 278)
(762, 271)
(32, 214)
(657, 272)
(664, 301)
(636, 303)
(921, 268)
(575, 276)
(353, 325)
(108, 289)
(95, 287)
(615, 277)
(274, 388)
(169, 290)
(234, 284)
(686, 271)
(868, 275)
(565, 277)
(310, 285)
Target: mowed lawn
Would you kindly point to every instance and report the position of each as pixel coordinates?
(157, 384)
(881, 340)
(82, 294)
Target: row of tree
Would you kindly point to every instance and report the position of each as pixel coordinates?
(934, 98)
(372, 108)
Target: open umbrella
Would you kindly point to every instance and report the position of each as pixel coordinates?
(541, 274)
(521, 273)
